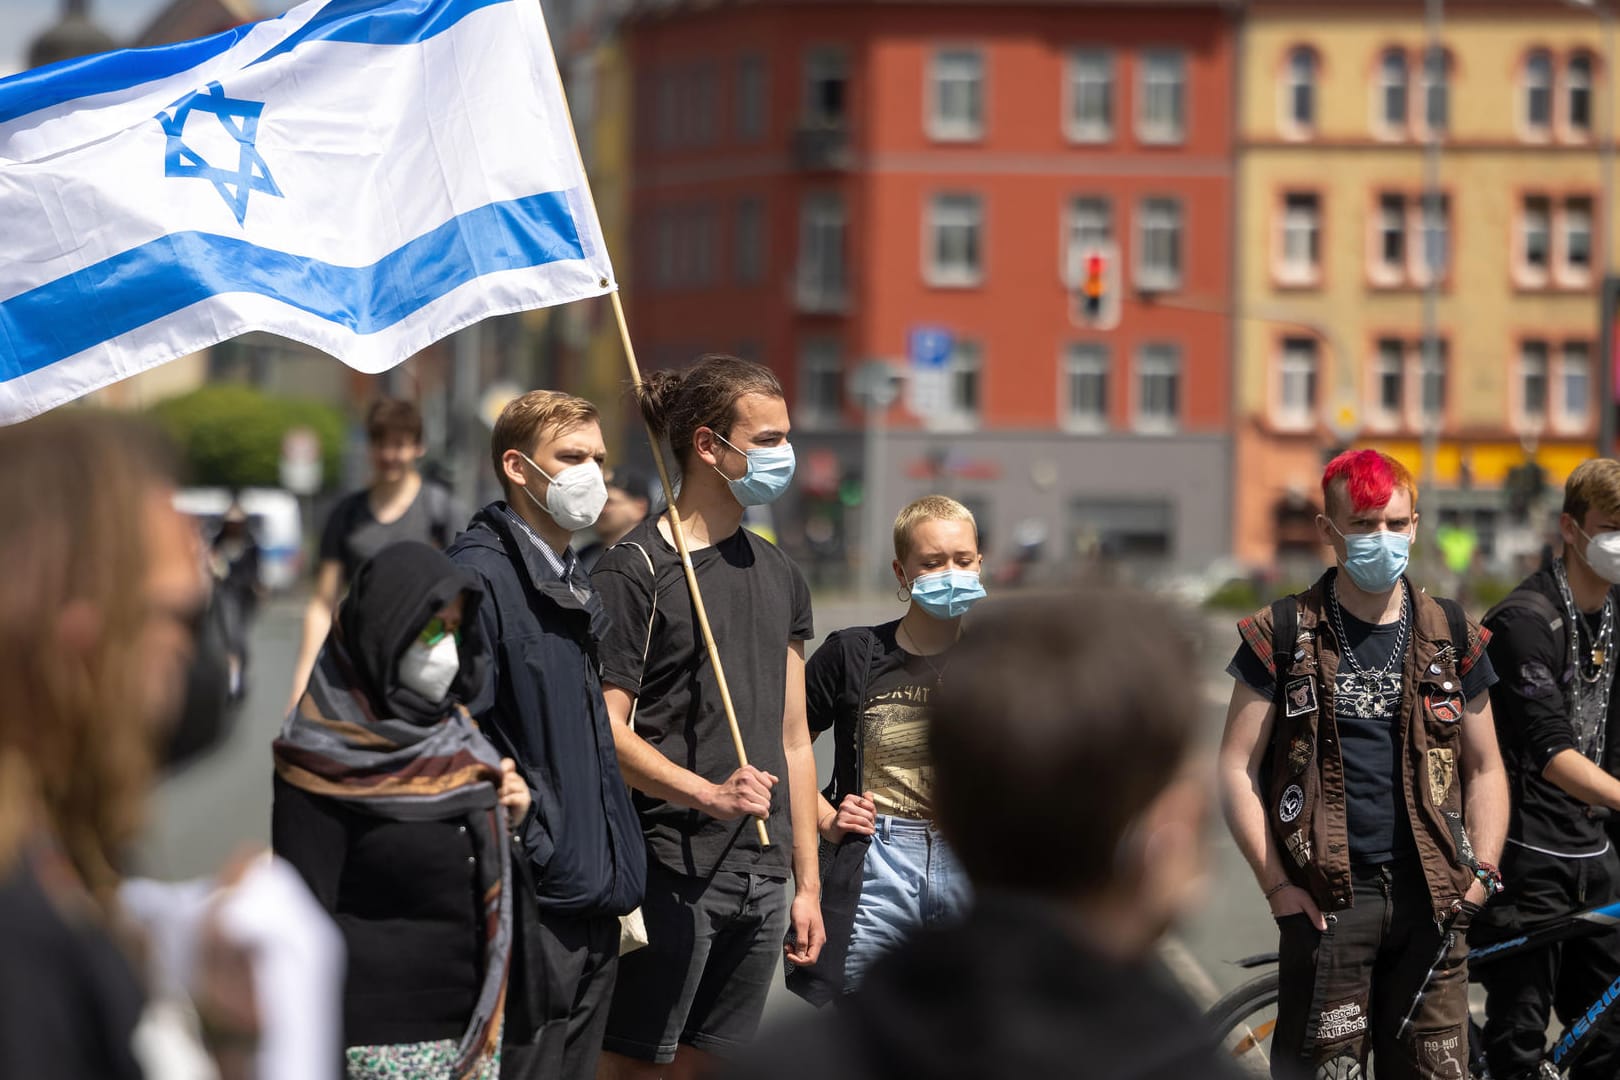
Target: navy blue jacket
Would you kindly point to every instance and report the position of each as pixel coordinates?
(543, 706)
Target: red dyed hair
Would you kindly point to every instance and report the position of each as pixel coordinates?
(1370, 479)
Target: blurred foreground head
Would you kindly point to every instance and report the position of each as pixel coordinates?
(1061, 743)
(102, 593)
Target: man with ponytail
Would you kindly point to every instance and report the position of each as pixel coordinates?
(1363, 784)
(716, 908)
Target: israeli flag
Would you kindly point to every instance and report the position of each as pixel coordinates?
(364, 176)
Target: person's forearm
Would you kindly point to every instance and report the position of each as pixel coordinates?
(651, 773)
(317, 624)
(1246, 817)
(1485, 809)
(1577, 776)
(808, 808)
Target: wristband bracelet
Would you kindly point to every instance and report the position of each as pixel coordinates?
(1490, 877)
(1275, 889)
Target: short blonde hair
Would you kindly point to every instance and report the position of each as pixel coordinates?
(529, 416)
(1594, 483)
(929, 508)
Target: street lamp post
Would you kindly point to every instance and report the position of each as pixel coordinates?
(1610, 290)
(1434, 73)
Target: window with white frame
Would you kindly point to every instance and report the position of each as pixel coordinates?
(1536, 112)
(1091, 95)
(1296, 382)
(821, 383)
(1576, 264)
(1578, 96)
(1158, 241)
(955, 240)
(1389, 381)
(1299, 91)
(822, 284)
(1535, 237)
(1091, 226)
(1085, 372)
(1394, 91)
(1432, 383)
(1389, 254)
(1434, 230)
(1533, 383)
(1158, 387)
(956, 94)
(964, 369)
(748, 238)
(1300, 238)
(1575, 390)
(1436, 91)
(826, 79)
(1161, 111)
(751, 103)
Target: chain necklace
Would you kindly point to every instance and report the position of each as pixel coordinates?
(1368, 691)
(916, 650)
(1589, 698)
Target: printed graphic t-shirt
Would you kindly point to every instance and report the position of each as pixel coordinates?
(895, 764)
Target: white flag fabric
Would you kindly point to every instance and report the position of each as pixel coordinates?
(364, 176)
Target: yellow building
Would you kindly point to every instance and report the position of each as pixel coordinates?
(1336, 248)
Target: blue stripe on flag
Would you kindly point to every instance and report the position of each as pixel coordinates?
(157, 279)
(367, 22)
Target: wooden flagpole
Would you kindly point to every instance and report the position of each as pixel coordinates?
(675, 527)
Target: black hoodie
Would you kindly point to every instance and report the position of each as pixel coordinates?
(1012, 994)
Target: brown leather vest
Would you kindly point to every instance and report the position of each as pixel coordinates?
(1304, 777)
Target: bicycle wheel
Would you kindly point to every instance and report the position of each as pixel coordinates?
(1244, 1020)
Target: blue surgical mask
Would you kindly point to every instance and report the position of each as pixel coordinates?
(1375, 561)
(948, 594)
(770, 471)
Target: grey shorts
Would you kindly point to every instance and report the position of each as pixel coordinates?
(713, 946)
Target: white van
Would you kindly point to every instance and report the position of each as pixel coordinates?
(274, 519)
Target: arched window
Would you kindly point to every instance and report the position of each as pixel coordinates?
(1394, 91)
(1436, 90)
(1538, 93)
(1578, 95)
(1299, 89)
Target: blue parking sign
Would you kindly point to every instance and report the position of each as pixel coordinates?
(930, 347)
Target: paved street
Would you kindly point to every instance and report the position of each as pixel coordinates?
(203, 815)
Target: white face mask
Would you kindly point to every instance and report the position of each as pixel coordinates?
(1603, 555)
(429, 670)
(576, 495)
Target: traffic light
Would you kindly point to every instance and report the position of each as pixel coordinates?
(1096, 283)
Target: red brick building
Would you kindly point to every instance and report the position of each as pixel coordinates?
(812, 183)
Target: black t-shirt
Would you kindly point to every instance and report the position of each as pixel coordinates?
(1532, 708)
(758, 602)
(1369, 746)
(352, 534)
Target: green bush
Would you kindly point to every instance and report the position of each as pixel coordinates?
(1239, 594)
(231, 435)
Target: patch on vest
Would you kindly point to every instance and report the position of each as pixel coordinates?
(1446, 708)
(1299, 754)
(1343, 1067)
(1299, 846)
(1291, 803)
(1443, 1054)
(1340, 1021)
(1459, 836)
(1299, 697)
(1442, 771)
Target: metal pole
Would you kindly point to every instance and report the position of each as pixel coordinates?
(876, 561)
(1606, 296)
(466, 379)
(1434, 69)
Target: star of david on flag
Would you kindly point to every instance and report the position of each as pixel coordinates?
(241, 120)
(364, 176)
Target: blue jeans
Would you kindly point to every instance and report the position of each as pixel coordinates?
(910, 880)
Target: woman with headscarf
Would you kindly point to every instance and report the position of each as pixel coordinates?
(397, 812)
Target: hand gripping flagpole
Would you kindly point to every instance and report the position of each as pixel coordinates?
(675, 526)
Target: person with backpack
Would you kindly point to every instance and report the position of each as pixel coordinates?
(886, 869)
(1362, 782)
(1553, 641)
(397, 505)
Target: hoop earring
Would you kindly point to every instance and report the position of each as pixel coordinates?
(902, 594)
